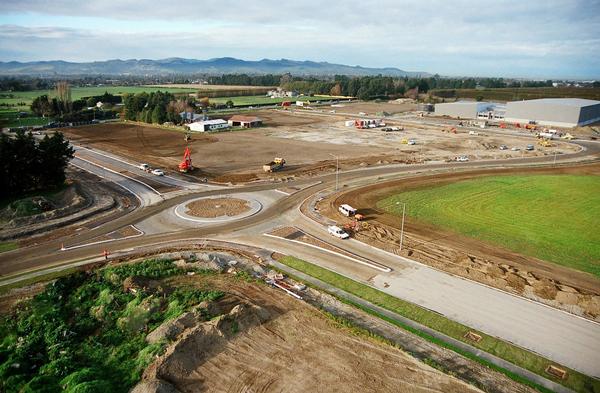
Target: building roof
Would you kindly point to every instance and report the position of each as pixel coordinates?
(245, 119)
(577, 102)
(209, 122)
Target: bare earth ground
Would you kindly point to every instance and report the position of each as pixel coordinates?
(217, 207)
(372, 108)
(276, 343)
(293, 349)
(306, 139)
(564, 288)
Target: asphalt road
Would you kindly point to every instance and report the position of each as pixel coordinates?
(566, 338)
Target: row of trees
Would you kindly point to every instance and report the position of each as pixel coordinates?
(62, 107)
(245, 80)
(27, 165)
(156, 107)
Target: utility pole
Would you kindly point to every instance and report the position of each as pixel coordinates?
(554, 158)
(337, 169)
(402, 227)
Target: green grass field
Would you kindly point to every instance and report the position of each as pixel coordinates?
(433, 320)
(27, 97)
(256, 100)
(550, 217)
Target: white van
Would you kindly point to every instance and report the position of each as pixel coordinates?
(347, 210)
(337, 232)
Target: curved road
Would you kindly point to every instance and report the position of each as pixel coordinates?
(568, 339)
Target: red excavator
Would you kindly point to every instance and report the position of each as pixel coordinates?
(186, 165)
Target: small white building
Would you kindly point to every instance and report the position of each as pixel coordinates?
(280, 93)
(208, 125)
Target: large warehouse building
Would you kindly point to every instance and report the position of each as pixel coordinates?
(560, 112)
(464, 109)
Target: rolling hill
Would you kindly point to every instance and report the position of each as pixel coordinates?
(216, 66)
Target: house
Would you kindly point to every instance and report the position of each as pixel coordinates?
(190, 116)
(280, 93)
(244, 121)
(208, 125)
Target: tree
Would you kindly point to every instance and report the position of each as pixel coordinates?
(63, 94)
(55, 154)
(29, 166)
(229, 104)
(336, 90)
(158, 114)
(42, 106)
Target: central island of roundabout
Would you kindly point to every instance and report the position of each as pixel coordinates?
(217, 209)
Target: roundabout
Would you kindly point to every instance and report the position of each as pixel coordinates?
(218, 209)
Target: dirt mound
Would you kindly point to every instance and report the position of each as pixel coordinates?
(217, 207)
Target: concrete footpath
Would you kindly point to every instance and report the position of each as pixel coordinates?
(459, 344)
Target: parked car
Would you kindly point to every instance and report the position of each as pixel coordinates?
(337, 232)
(503, 147)
(158, 172)
(515, 149)
(529, 147)
(144, 167)
(462, 158)
(412, 141)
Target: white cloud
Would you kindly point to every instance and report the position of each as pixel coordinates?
(468, 37)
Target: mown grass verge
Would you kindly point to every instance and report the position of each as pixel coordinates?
(8, 246)
(513, 354)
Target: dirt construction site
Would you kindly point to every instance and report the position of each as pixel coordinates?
(306, 139)
(560, 287)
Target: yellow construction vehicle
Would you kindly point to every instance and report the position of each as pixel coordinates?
(405, 141)
(544, 143)
(274, 165)
(568, 137)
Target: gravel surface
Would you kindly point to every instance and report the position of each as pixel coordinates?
(217, 207)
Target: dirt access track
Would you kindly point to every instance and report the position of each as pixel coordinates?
(307, 139)
(557, 286)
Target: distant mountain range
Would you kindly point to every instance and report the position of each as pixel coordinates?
(218, 66)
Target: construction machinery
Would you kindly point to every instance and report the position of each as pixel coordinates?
(274, 165)
(545, 143)
(186, 165)
(568, 137)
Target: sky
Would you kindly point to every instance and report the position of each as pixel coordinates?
(537, 39)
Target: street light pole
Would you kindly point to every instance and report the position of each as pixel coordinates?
(337, 169)
(402, 229)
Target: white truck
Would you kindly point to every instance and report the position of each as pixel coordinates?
(337, 232)
(347, 210)
(144, 167)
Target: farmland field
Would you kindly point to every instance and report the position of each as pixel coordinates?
(257, 100)
(26, 97)
(550, 217)
(522, 93)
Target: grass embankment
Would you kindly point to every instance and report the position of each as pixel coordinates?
(8, 246)
(517, 94)
(492, 345)
(550, 217)
(87, 333)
